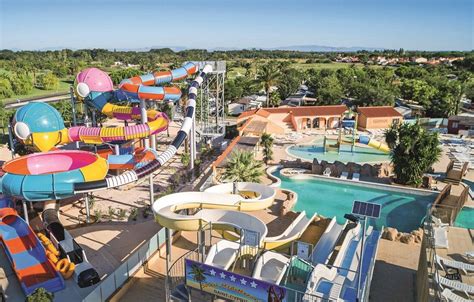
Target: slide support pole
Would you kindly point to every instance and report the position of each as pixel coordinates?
(25, 211)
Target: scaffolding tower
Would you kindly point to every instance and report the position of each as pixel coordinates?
(210, 104)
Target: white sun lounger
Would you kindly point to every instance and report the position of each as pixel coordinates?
(222, 254)
(271, 267)
(452, 297)
(356, 176)
(440, 237)
(344, 175)
(456, 285)
(463, 267)
(327, 172)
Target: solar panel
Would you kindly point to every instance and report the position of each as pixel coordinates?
(366, 209)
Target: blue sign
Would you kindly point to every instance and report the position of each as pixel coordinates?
(229, 285)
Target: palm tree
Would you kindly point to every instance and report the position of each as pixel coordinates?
(267, 143)
(198, 274)
(242, 166)
(413, 151)
(268, 76)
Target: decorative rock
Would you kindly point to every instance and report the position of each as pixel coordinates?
(366, 170)
(418, 235)
(407, 238)
(390, 234)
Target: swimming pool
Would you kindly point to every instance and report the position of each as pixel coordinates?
(465, 218)
(330, 197)
(360, 154)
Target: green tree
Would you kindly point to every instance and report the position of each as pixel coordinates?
(447, 99)
(330, 91)
(469, 89)
(242, 166)
(413, 151)
(21, 83)
(268, 76)
(275, 99)
(291, 82)
(6, 89)
(267, 144)
(40, 295)
(48, 81)
(417, 90)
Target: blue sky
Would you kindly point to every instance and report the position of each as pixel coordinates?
(409, 24)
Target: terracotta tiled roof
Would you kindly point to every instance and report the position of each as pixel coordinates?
(247, 113)
(379, 111)
(255, 126)
(226, 152)
(335, 110)
(263, 112)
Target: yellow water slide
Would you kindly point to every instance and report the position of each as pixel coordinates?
(225, 211)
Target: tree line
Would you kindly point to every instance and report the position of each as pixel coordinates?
(439, 89)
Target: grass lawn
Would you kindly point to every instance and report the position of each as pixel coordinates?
(63, 87)
(300, 65)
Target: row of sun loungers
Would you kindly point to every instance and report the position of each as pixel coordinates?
(457, 286)
(465, 268)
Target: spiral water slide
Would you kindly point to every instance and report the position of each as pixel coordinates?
(142, 88)
(55, 175)
(138, 173)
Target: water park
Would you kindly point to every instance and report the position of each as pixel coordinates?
(325, 222)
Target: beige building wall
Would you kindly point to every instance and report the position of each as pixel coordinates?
(377, 122)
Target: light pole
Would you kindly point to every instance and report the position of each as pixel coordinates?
(360, 211)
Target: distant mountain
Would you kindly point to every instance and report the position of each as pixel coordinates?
(320, 48)
(304, 48)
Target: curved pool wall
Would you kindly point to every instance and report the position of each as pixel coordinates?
(361, 154)
(404, 209)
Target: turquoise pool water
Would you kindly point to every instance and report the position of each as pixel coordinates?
(360, 154)
(404, 211)
(465, 218)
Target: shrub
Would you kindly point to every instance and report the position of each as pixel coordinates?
(48, 81)
(40, 295)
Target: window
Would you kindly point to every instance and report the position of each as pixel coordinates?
(455, 125)
(395, 121)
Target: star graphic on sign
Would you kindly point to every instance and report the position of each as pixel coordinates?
(213, 272)
(243, 281)
(253, 284)
(232, 278)
(222, 275)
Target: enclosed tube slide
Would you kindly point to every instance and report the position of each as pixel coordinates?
(142, 87)
(40, 125)
(363, 139)
(96, 88)
(134, 175)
